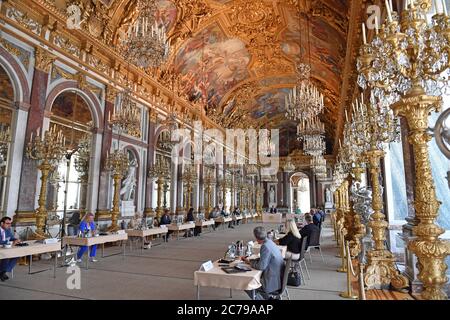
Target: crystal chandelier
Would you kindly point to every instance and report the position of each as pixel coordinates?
(302, 186)
(310, 127)
(146, 43)
(303, 101)
(128, 116)
(314, 145)
(319, 166)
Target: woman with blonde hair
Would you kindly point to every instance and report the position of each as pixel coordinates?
(292, 240)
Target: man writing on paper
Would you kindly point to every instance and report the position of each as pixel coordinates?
(6, 238)
(271, 264)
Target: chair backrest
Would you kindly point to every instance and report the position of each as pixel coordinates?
(287, 268)
(314, 237)
(303, 242)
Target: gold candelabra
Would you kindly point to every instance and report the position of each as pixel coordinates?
(127, 118)
(208, 182)
(5, 139)
(189, 178)
(48, 151)
(81, 164)
(116, 162)
(160, 172)
(404, 65)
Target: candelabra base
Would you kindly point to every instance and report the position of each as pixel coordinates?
(382, 271)
(38, 235)
(348, 295)
(342, 270)
(112, 229)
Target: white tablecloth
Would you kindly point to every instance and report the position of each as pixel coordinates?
(218, 278)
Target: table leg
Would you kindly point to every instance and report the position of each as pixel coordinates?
(103, 250)
(231, 293)
(143, 244)
(123, 247)
(56, 263)
(198, 292)
(178, 233)
(29, 266)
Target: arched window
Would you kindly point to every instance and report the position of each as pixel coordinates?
(300, 191)
(6, 118)
(71, 114)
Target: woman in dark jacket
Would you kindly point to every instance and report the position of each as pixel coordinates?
(292, 240)
(190, 217)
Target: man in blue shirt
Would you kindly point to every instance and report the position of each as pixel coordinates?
(7, 237)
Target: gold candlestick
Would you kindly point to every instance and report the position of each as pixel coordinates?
(48, 150)
(116, 162)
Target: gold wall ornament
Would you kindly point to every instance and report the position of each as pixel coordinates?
(48, 151)
(189, 178)
(116, 162)
(43, 60)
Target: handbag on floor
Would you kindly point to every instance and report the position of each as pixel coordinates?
(294, 279)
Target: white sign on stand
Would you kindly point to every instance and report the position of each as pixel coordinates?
(208, 265)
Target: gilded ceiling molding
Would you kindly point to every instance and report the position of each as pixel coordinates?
(349, 85)
(23, 57)
(43, 60)
(190, 14)
(321, 9)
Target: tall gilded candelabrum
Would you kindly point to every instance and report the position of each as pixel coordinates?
(189, 178)
(351, 155)
(406, 65)
(116, 162)
(160, 172)
(259, 192)
(48, 151)
(208, 182)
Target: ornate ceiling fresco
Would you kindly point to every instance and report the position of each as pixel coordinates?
(242, 54)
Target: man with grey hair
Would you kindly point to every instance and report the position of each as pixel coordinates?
(271, 264)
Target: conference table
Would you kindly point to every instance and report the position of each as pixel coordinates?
(132, 233)
(101, 239)
(204, 223)
(223, 220)
(180, 227)
(257, 249)
(34, 247)
(272, 218)
(217, 278)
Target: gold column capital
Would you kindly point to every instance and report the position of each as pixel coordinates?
(43, 59)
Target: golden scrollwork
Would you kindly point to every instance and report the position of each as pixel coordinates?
(44, 60)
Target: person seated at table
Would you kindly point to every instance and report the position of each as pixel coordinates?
(7, 237)
(317, 217)
(292, 240)
(298, 211)
(190, 217)
(273, 209)
(165, 220)
(225, 214)
(271, 264)
(309, 229)
(322, 213)
(74, 224)
(87, 225)
(215, 213)
(236, 213)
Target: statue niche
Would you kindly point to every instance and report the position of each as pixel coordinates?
(128, 189)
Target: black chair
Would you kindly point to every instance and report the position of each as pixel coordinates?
(298, 262)
(278, 295)
(314, 242)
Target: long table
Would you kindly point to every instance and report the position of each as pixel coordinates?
(223, 220)
(76, 241)
(257, 249)
(216, 277)
(145, 233)
(33, 248)
(204, 223)
(272, 218)
(180, 227)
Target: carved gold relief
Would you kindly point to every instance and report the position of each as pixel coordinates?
(43, 60)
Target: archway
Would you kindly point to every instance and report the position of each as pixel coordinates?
(6, 123)
(300, 192)
(71, 114)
